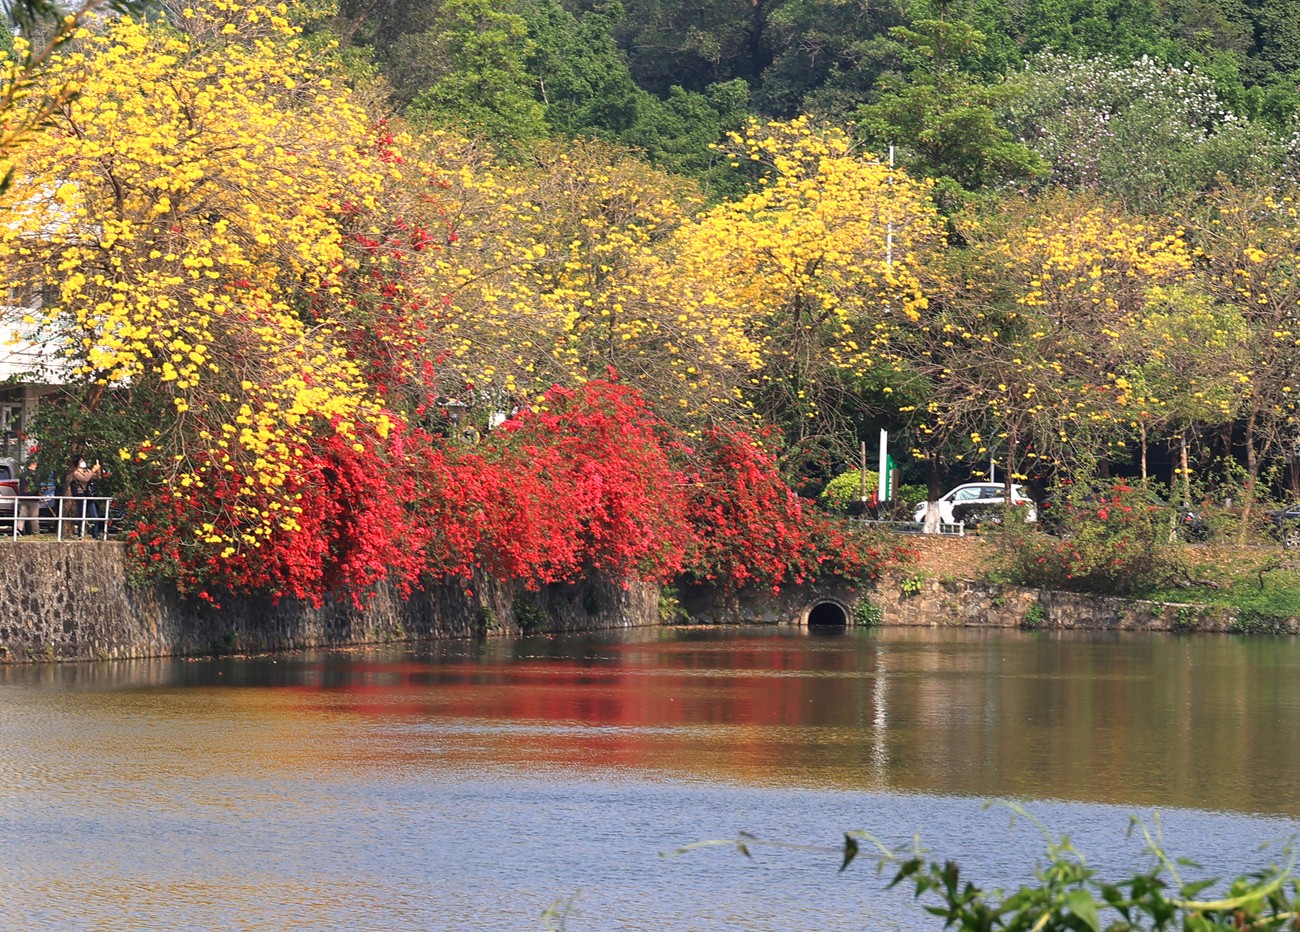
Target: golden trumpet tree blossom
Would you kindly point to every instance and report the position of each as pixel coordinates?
(543, 278)
(788, 297)
(1248, 242)
(188, 203)
(1181, 361)
(1020, 345)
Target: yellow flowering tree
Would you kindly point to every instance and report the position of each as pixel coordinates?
(1019, 343)
(788, 299)
(1248, 241)
(192, 207)
(543, 276)
(1181, 364)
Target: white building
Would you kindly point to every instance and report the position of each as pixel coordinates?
(30, 369)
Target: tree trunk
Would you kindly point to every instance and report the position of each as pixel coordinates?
(1183, 467)
(759, 58)
(1142, 426)
(1009, 467)
(1252, 477)
(931, 525)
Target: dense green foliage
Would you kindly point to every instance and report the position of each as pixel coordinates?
(939, 78)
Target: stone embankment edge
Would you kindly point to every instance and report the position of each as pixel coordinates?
(911, 602)
(72, 601)
(902, 600)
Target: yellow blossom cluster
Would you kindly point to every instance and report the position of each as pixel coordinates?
(191, 204)
(1080, 255)
(544, 272)
(1030, 322)
(785, 294)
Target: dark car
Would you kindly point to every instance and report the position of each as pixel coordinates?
(1286, 525)
(1193, 524)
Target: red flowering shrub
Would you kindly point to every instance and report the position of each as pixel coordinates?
(355, 529)
(750, 529)
(1118, 540)
(582, 483)
(352, 525)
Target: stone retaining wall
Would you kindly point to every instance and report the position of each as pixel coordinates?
(71, 601)
(948, 603)
(709, 605)
(911, 601)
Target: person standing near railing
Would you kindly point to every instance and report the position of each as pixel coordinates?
(29, 499)
(80, 482)
(96, 505)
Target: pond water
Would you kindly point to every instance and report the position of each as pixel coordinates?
(471, 785)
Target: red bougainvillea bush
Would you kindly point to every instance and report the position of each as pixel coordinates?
(350, 526)
(582, 483)
(585, 483)
(1118, 539)
(751, 530)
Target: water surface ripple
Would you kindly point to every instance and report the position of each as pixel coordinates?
(469, 785)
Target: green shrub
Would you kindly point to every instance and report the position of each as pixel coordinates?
(670, 606)
(867, 613)
(485, 619)
(530, 616)
(911, 495)
(845, 489)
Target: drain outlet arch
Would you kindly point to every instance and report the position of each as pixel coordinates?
(827, 613)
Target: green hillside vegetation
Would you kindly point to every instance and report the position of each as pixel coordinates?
(967, 90)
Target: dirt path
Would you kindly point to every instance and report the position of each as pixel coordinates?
(955, 557)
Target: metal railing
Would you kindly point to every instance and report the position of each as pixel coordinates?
(957, 529)
(70, 515)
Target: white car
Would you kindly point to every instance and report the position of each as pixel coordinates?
(978, 501)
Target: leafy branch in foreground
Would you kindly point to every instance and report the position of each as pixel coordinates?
(1068, 894)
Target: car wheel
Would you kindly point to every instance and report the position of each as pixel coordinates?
(1291, 536)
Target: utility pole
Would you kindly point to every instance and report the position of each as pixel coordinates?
(889, 224)
(862, 472)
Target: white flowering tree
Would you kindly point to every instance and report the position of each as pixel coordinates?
(1147, 132)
